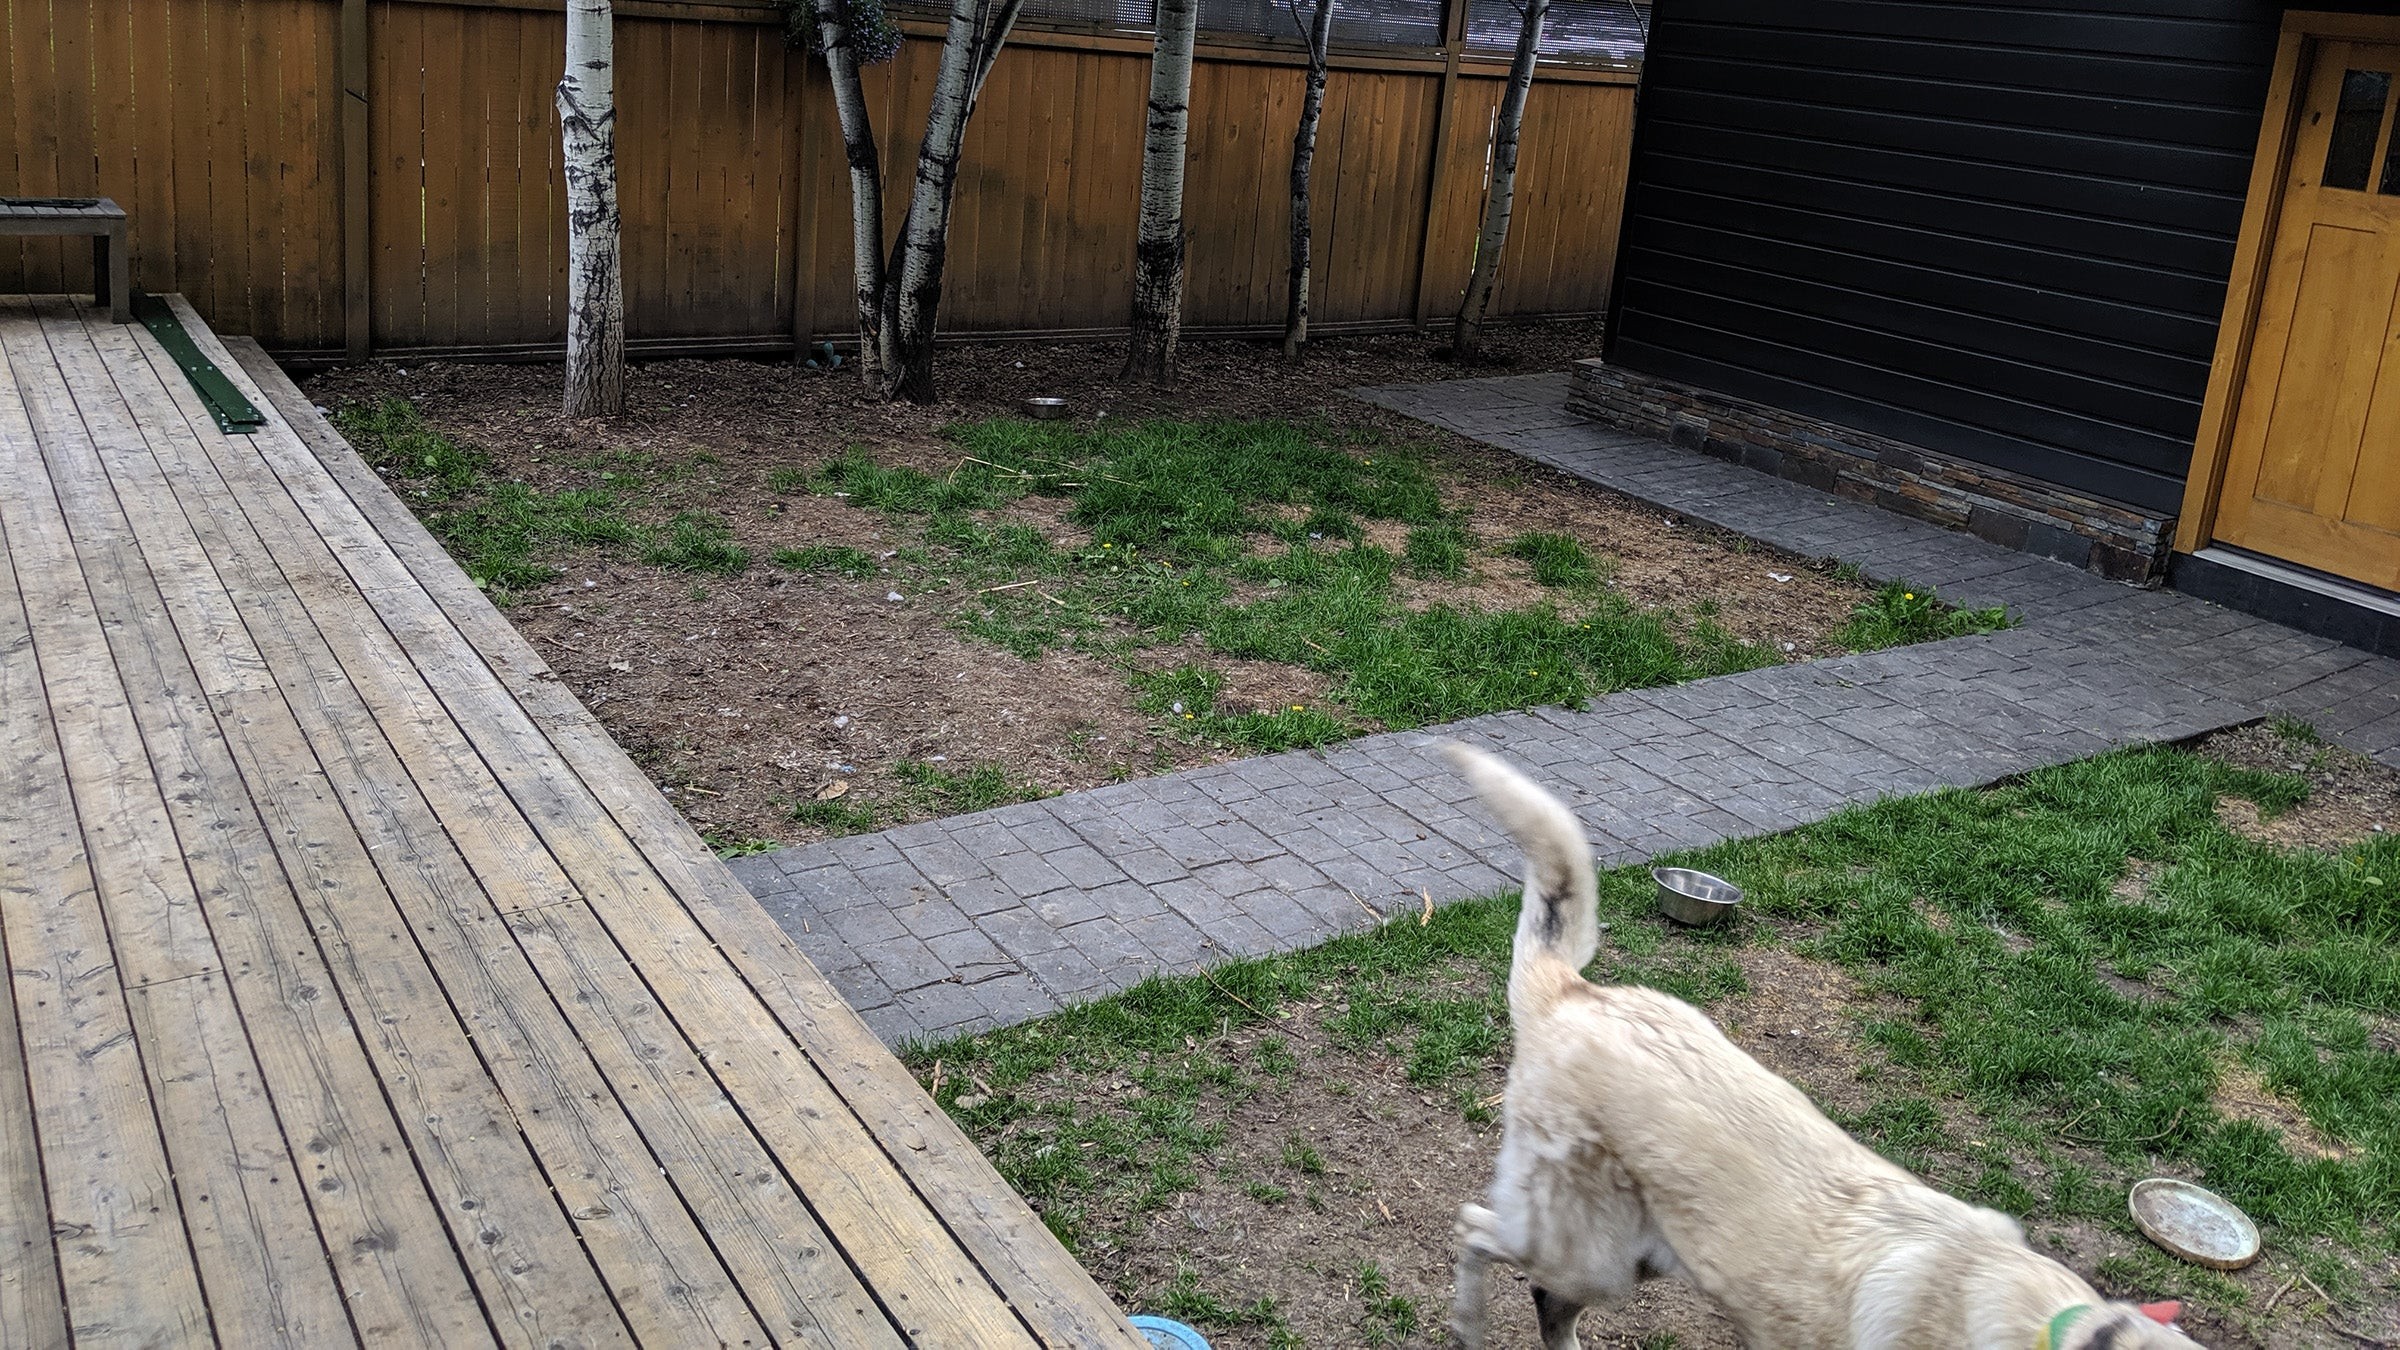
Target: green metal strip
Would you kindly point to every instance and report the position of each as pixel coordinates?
(235, 414)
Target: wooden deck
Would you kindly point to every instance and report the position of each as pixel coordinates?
(362, 989)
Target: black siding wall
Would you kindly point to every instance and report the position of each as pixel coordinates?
(1997, 230)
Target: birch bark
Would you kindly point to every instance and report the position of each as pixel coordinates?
(1158, 243)
(878, 354)
(587, 116)
(1304, 156)
(972, 44)
(1466, 340)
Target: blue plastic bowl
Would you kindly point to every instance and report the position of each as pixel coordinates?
(1167, 1335)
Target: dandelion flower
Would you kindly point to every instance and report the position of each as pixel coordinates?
(1908, 595)
(1296, 708)
(1108, 546)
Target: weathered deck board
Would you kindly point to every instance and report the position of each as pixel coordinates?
(361, 989)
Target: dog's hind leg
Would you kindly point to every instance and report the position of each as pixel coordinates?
(1478, 1246)
(1557, 1317)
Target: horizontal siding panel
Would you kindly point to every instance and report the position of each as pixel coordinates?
(2003, 281)
(1981, 147)
(1895, 386)
(2190, 84)
(1998, 230)
(2057, 189)
(2050, 230)
(2226, 131)
(2094, 474)
(2110, 365)
(2150, 35)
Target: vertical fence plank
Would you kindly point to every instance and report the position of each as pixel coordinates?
(412, 200)
(357, 297)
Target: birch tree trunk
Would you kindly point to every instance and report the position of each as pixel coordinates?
(878, 354)
(1304, 156)
(1158, 244)
(587, 117)
(1466, 340)
(977, 30)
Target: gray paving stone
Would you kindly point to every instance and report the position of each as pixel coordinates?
(942, 1010)
(1068, 974)
(904, 963)
(970, 952)
(1011, 999)
(932, 918)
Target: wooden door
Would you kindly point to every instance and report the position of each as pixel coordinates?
(2312, 474)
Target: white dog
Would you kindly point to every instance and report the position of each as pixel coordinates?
(1638, 1141)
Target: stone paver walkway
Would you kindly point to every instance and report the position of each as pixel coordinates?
(976, 921)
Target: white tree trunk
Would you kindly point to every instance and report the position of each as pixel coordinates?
(1158, 242)
(972, 44)
(1304, 156)
(878, 353)
(587, 117)
(1467, 339)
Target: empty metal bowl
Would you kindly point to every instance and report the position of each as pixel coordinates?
(1045, 409)
(1694, 898)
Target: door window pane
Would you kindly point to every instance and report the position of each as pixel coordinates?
(2355, 124)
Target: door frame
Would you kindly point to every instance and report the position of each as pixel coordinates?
(2270, 169)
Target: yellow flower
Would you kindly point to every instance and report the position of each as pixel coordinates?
(1108, 546)
(1187, 717)
(1908, 595)
(1297, 708)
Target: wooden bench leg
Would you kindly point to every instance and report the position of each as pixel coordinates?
(112, 283)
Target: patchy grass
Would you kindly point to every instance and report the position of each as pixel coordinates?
(1900, 614)
(1249, 538)
(2024, 1026)
(698, 542)
(1558, 559)
(833, 558)
(925, 788)
(504, 533)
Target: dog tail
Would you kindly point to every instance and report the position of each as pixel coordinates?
(1561, 917)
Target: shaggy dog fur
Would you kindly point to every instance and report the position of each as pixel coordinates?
(1639, 1141)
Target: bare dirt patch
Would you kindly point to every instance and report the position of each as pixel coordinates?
(747, 695)
(2242, 1095)
(2350, 797)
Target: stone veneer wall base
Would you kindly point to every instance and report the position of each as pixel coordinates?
(2012, 510)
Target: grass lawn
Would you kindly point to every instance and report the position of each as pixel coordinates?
(2152, 962)
(1246, 586)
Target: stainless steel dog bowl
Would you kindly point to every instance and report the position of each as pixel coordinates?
(1694, 898)
(1045, 409)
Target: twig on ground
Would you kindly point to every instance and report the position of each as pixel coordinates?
(934, 1089)
(1052, 599)
(1425, 916)
(2361, 1337)
(2277, 1297)
(1377, 915)
(1014, 585)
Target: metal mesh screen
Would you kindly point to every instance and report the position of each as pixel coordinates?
(1356, 23)
(1134, 14)
(1586, 30)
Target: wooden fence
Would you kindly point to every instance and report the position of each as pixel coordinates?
(423, 210)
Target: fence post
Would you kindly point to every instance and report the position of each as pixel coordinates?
(809, 164)
(1454, 49)
(356, 331)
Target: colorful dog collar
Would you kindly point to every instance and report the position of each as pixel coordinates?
(2055, 1333)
